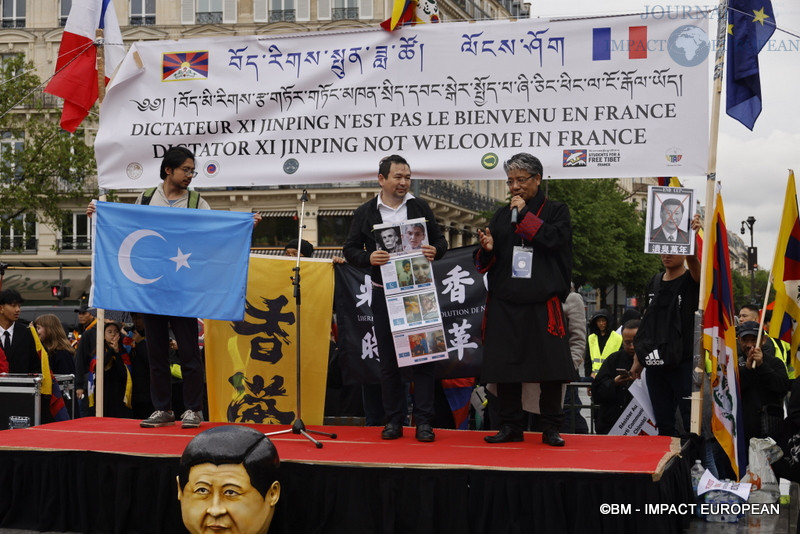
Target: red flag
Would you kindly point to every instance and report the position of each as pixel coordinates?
(75, 79)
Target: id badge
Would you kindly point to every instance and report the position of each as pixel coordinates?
(522, 262)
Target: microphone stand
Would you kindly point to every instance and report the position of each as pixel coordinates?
(298, 427)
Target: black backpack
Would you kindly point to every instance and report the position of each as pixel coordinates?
(659, 340)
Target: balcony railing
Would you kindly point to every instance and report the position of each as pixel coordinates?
(344, 13)
(143, 20)
(460, 196)
(74, 244)
(18, 244)
(13, 22)
(282, 15)
(209, 17)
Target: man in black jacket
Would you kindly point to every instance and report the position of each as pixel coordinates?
(764, 383)
(15, 337)
(394, 204)
(610, 388)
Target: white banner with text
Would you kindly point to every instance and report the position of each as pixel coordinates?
(623, 96)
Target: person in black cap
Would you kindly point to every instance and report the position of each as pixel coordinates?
(763, 381)
(306, 249)
(85, 318)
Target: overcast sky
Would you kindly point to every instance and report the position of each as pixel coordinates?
(752, 166)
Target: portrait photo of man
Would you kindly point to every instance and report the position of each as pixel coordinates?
(668, 226)
(389, 239)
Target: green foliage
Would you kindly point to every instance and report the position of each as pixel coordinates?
(41, 166)
(742, 293)
(607, 233)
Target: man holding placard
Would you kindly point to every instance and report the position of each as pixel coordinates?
(395, 205)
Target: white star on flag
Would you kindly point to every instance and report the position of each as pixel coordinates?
(181, 260)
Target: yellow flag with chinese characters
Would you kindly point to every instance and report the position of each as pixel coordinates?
(251, 365)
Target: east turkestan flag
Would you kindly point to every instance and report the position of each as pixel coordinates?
(181, 262)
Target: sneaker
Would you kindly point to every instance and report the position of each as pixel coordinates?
(159, 418)
(191, 419)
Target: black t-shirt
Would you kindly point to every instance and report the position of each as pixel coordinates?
(687, 291)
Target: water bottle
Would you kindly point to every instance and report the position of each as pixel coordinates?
(697, 473)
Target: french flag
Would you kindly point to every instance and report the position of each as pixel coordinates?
(75, 79)
(636, 44)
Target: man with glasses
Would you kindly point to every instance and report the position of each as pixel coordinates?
(177, 171)
(395, 204)
(527, 253)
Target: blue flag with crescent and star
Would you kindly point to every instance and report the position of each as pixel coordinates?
(168, 261)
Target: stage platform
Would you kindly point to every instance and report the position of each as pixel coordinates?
(111, 476)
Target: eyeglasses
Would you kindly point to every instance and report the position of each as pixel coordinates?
(189, 171)
(519, 181)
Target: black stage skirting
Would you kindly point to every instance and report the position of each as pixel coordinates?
(78, 491)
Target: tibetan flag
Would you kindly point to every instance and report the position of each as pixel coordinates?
(786, 276)
(458, 392)
(75, 79)
(167, 261)
(252, 364)
(411, 12)
(719, 342)
(635, 44)
(750, 25)
(50, 387)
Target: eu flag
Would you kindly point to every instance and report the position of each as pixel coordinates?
(181, 262)
(750, 25)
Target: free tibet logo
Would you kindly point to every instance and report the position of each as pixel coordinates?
(574, 158)
(490, 160)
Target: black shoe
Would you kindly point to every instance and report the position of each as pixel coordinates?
(552, 438)
(392, 431)
(507, 434)
(425, 433)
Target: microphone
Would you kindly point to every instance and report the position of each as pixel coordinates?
(514, 215)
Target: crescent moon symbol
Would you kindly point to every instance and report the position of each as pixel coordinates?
(124, 256)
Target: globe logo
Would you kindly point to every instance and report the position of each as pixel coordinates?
(688, 46)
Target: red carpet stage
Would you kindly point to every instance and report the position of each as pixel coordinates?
(108, 475)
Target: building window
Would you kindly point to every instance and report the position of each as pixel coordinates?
(75, 233)
(143, 12)
(275, 229)
(66, 5)
(11, 144)
(20, 236)
(344, 10)
(209, 11)
(282, 11)
(13, 14)
(332, 228)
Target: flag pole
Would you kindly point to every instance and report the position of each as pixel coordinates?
(99, 382)
(699, 374)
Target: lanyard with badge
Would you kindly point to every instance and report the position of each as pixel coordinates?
(522, 258)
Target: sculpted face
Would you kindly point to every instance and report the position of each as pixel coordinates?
(220, 498)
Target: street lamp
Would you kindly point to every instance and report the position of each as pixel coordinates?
(752, 257)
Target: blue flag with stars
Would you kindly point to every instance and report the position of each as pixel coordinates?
(167, 261)
(750, 25)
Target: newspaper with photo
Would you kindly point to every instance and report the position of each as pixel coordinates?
(409, 286)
